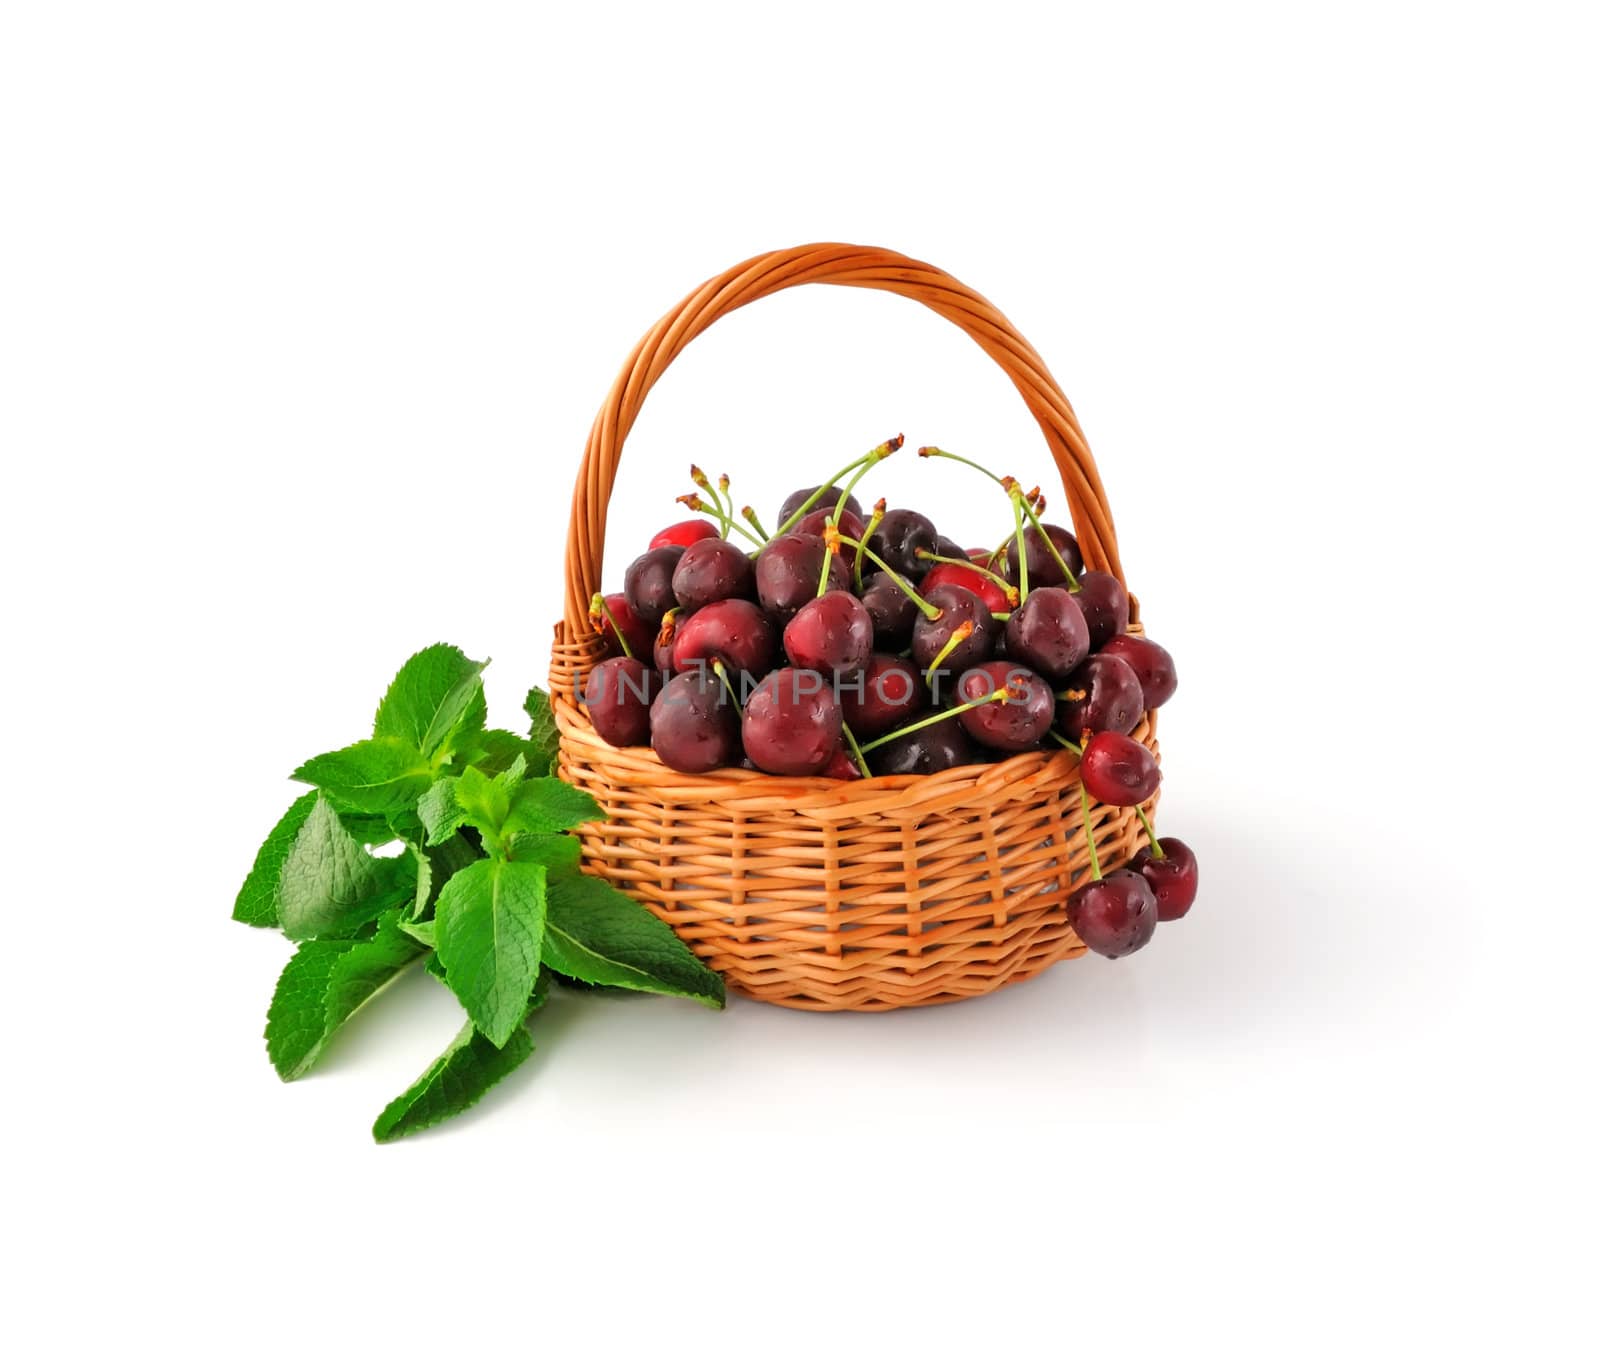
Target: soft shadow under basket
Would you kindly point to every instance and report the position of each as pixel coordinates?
(811, 892)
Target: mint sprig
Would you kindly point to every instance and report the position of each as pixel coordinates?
(488, 893)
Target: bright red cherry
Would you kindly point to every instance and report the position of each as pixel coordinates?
(1118, 771)
(684, 533)
(1114, 916)
(1174, 876)
(991, 593)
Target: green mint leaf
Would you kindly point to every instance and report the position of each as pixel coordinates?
(484, 801)
(542, 731)
(257, 902)
(329, 885)
(558, 853)
(490, 926)
(458, 1078)
(598, 935)
(435, 867)
(423, 931)
(372, 776)
(435, 700)
(496, 750)
(440, 812)
(547, 805)
(324, 983)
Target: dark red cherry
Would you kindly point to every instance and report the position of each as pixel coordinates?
(735, 631)
(684, 533)
(957, 607)
(617, 695)
(1174, 877)
(1118, 771)
(666, 637)
(1114, 916)
(637, 633)
(885, 695)
(831, 634)
(693, 724)
(893, 613)
(899, 536)
(1017, 723)
(829, 499)
(842, 766)
(932, 749)
(789, 570)
(648, 583)
(1048, 633)
(1043, 571)
(712, 571)
(986, 589)
(943, 545)
(1152, 665)
(813, 524)
(1102, 693)
(792, 723)
(1104, 604)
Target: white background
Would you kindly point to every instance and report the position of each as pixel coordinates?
(304, 313)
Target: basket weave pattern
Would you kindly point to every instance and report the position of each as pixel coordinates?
(810, 892)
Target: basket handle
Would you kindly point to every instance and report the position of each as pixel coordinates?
(862, 267)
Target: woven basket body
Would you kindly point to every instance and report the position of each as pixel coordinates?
(811, 892)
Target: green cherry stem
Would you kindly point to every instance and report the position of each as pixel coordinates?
(998, 695)
(1150, 830)
(1022, 555)
(922, 604)
(855, 751)
(1088, 833)
(874, 455)
(722, 513)
(959, 636)
(830, 541)
(1007, 588)
(749, 514)
(1072, 578)
(720, 669)
(1066, 743)
(934, 453)
(754, 540)
(878, 510)
(598, 611)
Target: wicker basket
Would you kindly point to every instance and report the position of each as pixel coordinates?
(811, 892)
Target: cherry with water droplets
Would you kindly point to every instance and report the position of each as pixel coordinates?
(684, 533)
(965, 576)
(1151, 664)
(1174, 876)
(617, 694)
(1017, 723)
(829, 500)
(792, 723)
(899, 536)
(931, 749)
(1118, 771)
(1043, 571)
(789, 570)
(666, 637)
(842, 767)
(710, 571)
(648, 583)
(1102, 693)
(639, 634)
(831, 634)
(957, 607)
(1115, 915)
(887, 694)
(1048, 633)
(850, 525)
(694, 726)
(893, 613)
(1104, 604)
(735, 631)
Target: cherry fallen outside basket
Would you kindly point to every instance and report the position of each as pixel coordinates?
(813, 892)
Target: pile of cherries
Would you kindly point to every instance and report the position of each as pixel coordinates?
(852, 644)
